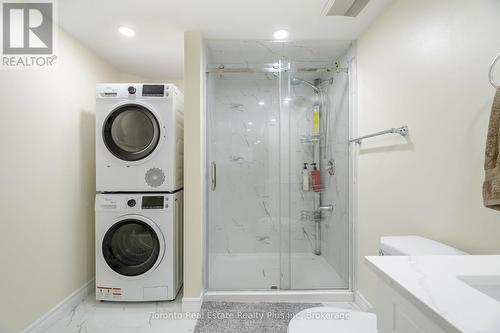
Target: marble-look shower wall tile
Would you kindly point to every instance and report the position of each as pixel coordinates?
(335, 240)
(243, 205)
(244, 122)
(256, 52)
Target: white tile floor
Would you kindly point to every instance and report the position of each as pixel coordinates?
(92, 316)
(240, 271)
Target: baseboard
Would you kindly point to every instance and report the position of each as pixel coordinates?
(362, 302)
(62, 309)
(192, 304)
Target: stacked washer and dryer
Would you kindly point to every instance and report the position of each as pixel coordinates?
(139, 184)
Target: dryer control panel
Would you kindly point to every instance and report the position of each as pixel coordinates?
(135, 90)
(153, 202)
(132, 202)
(154, 90)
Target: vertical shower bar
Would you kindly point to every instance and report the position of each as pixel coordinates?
(317, 239)
(317, 196)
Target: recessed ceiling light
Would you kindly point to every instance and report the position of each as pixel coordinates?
(127, 32)
(261, 103)
(280, 34)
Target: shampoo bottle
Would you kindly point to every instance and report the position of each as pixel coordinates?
(315, 120)
(316, 179)
(305, 178)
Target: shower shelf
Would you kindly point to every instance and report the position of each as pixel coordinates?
(310, 215)
(310, 139)
(321, 189)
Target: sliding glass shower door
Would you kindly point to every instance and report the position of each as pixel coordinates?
(266, 230)
(244, 203)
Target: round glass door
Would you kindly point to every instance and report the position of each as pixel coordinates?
(131, 132)
(131, 247)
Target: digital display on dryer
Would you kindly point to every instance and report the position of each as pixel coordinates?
(152, 202)
(157, 90)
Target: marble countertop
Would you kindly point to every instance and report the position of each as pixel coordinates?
(432, 285)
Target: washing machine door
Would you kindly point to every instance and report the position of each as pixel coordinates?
(131, 132)
(131, 247)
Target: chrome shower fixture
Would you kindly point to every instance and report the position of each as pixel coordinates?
(296, 81)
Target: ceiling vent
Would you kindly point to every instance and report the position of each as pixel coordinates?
(350, 8)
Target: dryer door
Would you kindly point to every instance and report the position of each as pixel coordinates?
(131, 132)
(131, 247)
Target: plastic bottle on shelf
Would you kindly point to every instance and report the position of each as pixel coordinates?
(305, 178)
(316, 179)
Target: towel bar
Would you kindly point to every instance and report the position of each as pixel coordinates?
(492, 69)
(403, 131)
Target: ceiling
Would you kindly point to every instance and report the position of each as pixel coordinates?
(156, 52)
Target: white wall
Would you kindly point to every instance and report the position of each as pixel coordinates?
(47, 182)
(194, 164)
(424, 63)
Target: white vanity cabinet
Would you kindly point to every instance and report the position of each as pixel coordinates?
(396, 314)
(430, 294)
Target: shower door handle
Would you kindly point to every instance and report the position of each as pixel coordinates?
(327, 208)
(213, 176)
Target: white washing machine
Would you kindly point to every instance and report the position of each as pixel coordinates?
(139, 137)
(138, 246)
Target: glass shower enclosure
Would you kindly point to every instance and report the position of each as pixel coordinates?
(278, 155)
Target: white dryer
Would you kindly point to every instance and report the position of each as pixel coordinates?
(138, 246)
(139, 137)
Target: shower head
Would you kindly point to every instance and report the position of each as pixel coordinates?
(296, 81)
